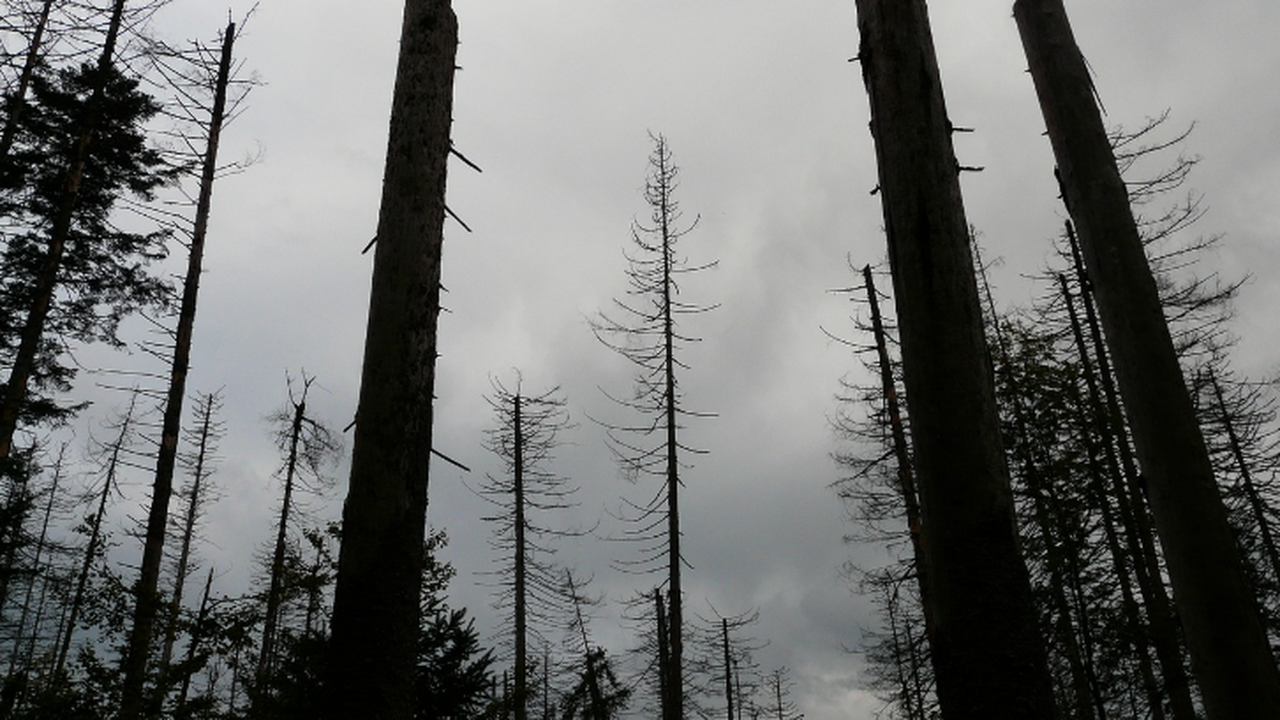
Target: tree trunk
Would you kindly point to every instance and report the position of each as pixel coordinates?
(147, 599)
(95, 535)
(988, 656)
(675, 591)
(1257, 507)
(205, 410)
(375, 615)
(1228, 647)
(15, 391)
(728, 668)
(1131, 505)
(902, 454)
(1094, 412)
(664, 657)
(275, 589)
(521, 620)
(18, 657)
(193, 645)
(19, 97)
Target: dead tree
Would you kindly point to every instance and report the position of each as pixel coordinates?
(988, 655)
(645, 329)
(376, 609)
(147, 601)
(1229, 652)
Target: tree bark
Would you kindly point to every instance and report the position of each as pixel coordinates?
(376, 609)
(988, 655)
(1228, 647)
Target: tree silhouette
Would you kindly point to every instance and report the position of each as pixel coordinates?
(644, 328)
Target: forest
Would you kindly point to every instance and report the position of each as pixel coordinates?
(727, 430)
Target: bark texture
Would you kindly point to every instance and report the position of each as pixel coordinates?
(1229, 653)
(988, 655)
(375, 618)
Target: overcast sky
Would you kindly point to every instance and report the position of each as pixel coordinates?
(768, 122)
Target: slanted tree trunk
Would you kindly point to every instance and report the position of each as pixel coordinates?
(205, 407)
(147, 601)
(376, 609)
(521, 606)
(18, 99)
(988, 655)
(15, 392)
(275, 587)
(1228, 646)
(95, 535)
(194, 645)
(1257, 507)
(901, 453)
(1131, 505)
(20, 657)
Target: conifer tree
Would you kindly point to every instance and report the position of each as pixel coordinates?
(644, 328)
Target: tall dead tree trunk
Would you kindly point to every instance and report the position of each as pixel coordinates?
(901, 454)
(206, 405)
(275, 584)
(1131, 503)
(521, 606)
(375, 614)
(1228, 646)
(988, 655)
(1257, 507)
(728, 669)
(194, 646)
(664, 657)
(1090, 413)
(147, 601)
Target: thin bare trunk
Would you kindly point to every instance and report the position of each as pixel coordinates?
(901, 454)
(275, 589)
(1139, 631)
(1256, 505)
(147, 598)
(205, 410)
(95, 537)
(521, 619)
(193, 645)
(1131, 504)
(18, 657)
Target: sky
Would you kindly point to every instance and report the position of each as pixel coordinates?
(767, 119)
